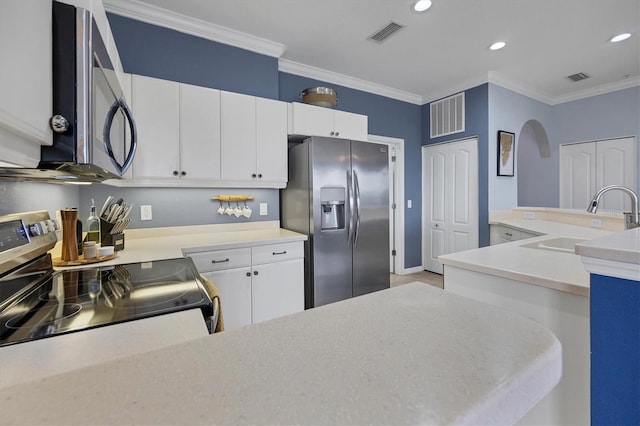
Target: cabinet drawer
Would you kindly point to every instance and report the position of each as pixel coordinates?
(277, 252)
(221, 259)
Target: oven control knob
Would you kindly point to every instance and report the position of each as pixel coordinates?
(36, 229)
(52, 224)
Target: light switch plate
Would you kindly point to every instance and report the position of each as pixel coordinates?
(409, 204)
(264, 209)
(146, 212)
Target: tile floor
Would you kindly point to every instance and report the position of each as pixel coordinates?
(424, 276)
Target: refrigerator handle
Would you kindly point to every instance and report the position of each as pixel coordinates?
(356, 191)
(351, 207)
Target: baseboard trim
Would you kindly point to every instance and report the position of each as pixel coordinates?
(407, 271)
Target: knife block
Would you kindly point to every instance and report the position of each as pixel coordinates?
(108, 239)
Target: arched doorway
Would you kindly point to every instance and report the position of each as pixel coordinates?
(537, 172)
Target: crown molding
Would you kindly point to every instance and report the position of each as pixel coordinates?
(600, 90)
(303, 70)
(518, 87)
(185, 24)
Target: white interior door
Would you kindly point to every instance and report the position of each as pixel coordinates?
(450, 200)
(616, 165)
(587, 167)
(577, 175)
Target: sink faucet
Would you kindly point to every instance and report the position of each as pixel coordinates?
(631, 220)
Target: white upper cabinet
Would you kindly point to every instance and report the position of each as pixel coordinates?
(155, 105)
(200, 132)
(178, 130)
(197, 136)
(25, 80)
(254, 140)
(310, 120)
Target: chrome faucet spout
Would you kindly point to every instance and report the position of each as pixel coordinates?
(634, 220)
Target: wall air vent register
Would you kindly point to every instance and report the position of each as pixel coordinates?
(447, 116)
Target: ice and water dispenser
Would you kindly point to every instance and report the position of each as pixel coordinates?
(332, 208)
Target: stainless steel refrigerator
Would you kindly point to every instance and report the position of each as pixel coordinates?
(338, 195)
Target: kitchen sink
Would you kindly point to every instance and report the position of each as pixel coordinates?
(560, 244)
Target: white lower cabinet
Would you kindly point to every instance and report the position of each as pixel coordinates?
(277, 289)
(234, 286)
(256, 283)
(499, 234)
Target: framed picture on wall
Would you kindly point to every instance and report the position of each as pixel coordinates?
(506, 152)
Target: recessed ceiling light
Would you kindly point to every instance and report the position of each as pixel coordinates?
(620, 37)
(422, 5)
(497, 45)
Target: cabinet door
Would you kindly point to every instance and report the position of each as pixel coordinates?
(199, 132)
(238, 137)
(234, 286)
(156, 111)
(25, 74)
(347, 125)
(311, 120)
(277, 290)
(577, 175)
(271, 140)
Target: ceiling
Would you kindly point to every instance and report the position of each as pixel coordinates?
(438, 52)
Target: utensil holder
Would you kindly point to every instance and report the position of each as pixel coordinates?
(108, 239)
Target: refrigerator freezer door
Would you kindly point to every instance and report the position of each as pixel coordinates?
(371, 248)
(330, 250)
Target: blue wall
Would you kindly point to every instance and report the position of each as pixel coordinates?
(476, 125)
(159, 52)
(510, 111)
(387, 117)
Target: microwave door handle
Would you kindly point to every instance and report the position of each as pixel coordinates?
(120, 104)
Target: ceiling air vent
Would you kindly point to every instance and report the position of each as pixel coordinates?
(579, 76)
(447, 116)
(385, 32)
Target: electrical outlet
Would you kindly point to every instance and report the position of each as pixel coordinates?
(146, 213)
(596, 223)
(529, 215)
(264, 210)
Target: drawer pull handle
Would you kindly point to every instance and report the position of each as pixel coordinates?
(276, 253)
(509, 234)
(220, 261)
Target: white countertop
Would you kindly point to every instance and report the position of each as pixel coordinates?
(616, 255)
(560, 271)
(413, 354)
(144, 245)
(620, 247)
(545, 227)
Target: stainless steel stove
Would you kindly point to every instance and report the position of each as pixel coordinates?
(37, 302)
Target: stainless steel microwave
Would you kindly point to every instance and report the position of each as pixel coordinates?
(94, 134)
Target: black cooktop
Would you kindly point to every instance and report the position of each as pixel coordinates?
(68, 301)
